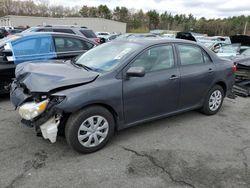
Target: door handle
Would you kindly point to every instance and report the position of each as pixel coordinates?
(173, 77)
(210, 70)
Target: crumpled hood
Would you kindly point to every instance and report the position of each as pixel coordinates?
(44, 77)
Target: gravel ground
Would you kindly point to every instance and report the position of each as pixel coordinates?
(188, 150)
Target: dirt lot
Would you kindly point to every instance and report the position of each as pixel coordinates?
(189, 150)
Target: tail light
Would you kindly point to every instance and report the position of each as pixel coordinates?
(98, 40)
(234, 68)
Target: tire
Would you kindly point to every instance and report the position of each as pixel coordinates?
(96, 121)
(211, 104)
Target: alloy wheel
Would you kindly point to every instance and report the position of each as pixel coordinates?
(215, 100)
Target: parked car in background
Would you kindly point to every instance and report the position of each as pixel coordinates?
(7, 27)
(24, 47)
(229, 51)
(3, 33)
(117, 85)
(185, 36)
(14, 31)
(243, 49)
(246, 53)
(102, 34)
(168, 35)
(220, 38)
(213, 45)
(242, 75)
(76, 30)
(223, 49)
(136, 35)
(244, 40)
(112, 37)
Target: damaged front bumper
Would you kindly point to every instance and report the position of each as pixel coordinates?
(45, 123)
(50, 128)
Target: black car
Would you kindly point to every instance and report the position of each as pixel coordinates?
(118, 85)
(24, 47)
(14, 31)
(3, 33)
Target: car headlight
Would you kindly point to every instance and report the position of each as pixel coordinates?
(31, 110)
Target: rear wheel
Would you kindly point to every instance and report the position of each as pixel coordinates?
(89, 129)
(213, 101)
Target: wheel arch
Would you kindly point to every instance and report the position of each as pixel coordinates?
(223, 85)
(106, 106)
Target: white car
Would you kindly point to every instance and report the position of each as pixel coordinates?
(7, 27)
(102, 34)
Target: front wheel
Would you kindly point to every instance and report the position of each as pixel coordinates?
(213, 101)
(89, 129)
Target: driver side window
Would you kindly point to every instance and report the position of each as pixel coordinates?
(155, 59)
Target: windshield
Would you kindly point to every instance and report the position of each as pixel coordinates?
(107, 56)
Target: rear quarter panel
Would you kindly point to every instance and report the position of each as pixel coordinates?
(224, 73)
(223, 70)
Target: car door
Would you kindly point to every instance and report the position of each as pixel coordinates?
(31, 48)
(69, 47)
(155, 94)
(197, 74)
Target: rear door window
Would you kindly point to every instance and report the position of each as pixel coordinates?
(207, 59)
(30, 48)
(88, 33)
(190, 54)
(39, 45)
(67, 44)
(156, 59)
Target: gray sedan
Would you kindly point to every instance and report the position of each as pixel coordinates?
(118, 85)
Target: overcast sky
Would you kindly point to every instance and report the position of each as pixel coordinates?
(199, 8)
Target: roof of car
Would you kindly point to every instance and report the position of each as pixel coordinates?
(52, 33)
(153, 41)
(60, 27)
(147, 42)
(47, 33)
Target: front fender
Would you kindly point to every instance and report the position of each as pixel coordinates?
(108, 93)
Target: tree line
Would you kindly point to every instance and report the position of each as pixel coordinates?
(137, 20)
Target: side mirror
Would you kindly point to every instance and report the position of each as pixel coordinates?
(136, 72)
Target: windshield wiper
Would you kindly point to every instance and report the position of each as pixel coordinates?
(87, 68)
(73, 62)
(84, 66)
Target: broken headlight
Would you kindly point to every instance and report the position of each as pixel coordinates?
(30, 110)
